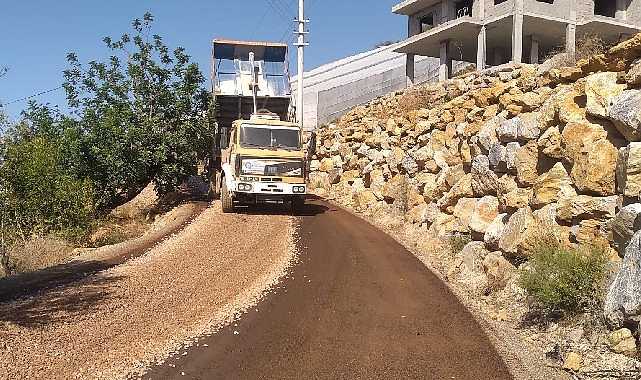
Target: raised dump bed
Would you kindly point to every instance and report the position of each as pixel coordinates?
(232, 79)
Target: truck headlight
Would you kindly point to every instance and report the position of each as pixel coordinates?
(244, 187)
(298, 189)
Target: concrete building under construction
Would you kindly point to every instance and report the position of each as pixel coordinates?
(493, 32)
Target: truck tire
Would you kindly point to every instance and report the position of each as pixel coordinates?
(214, 185)
(226, 201)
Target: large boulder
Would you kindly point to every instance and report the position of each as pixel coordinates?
(601, 89)
(624, 225)
(488, 134)
(498, 270)
(550, 143)
(596, 179)
(546, 219)
(626, 114)
(495, 231)
(623, 300)
(527, 159)
(462, 189)
(464, 209)
(550, 185)
(470, 265)
(518, 234)
(523, 127)
(484, 212)
(484, 180)
(498, 158)
(578, 135)
(571, 208)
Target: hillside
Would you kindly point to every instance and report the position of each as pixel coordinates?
(504, 158)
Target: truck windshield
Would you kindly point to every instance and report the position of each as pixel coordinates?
(266, 136)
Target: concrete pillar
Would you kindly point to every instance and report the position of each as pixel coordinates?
(481, 49)
(570, 38)
(445, 11)
(409, 70)
(517, 39)
(534, 49)
(445, 70)
(517, 33)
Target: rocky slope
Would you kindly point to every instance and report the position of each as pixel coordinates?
(507, 156)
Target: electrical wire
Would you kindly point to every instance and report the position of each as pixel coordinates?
(31, 96)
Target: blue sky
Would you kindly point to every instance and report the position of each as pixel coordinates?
(36, 35)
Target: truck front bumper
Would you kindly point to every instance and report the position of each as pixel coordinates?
(270, 188)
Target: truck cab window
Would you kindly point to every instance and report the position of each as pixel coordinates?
(253, 136)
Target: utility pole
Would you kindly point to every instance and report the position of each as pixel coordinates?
(301, 45)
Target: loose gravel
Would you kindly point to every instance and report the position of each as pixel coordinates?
(116, 323)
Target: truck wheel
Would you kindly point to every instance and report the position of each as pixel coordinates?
(226, 201)
(214, 185)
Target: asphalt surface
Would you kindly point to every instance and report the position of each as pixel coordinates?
(357, 305)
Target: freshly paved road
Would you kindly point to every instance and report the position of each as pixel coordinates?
(357, 306)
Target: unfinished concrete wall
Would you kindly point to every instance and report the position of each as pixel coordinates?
(559, 9)
(496, 10)
(414, 26)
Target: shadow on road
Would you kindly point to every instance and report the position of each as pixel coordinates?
(310, 208)
(65, 304)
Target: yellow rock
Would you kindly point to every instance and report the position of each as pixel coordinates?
(572, 362)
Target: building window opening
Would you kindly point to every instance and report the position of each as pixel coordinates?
(499, 1)
(427, 22)
(463, 8)
(546, 1)
(607, 8)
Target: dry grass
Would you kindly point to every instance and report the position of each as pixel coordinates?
(40, 252)
(417, 98)
(587, 45)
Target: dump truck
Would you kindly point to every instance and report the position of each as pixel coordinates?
(257, 154)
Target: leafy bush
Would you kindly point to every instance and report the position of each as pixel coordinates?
(564, 281)
(458, 242)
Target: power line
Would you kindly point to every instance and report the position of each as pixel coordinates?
(277, 9)
(32, 96)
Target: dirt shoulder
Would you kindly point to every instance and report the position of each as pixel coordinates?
(95, 260)
(116, 322)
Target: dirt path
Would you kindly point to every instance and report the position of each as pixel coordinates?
(112, 324)
(358, 305)
(17, 286)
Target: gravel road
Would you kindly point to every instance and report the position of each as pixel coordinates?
(358, 305)
(115, 323)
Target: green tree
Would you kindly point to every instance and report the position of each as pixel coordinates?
(143, 114)
(40, 190)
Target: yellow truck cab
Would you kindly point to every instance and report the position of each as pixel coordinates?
(264, 163)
